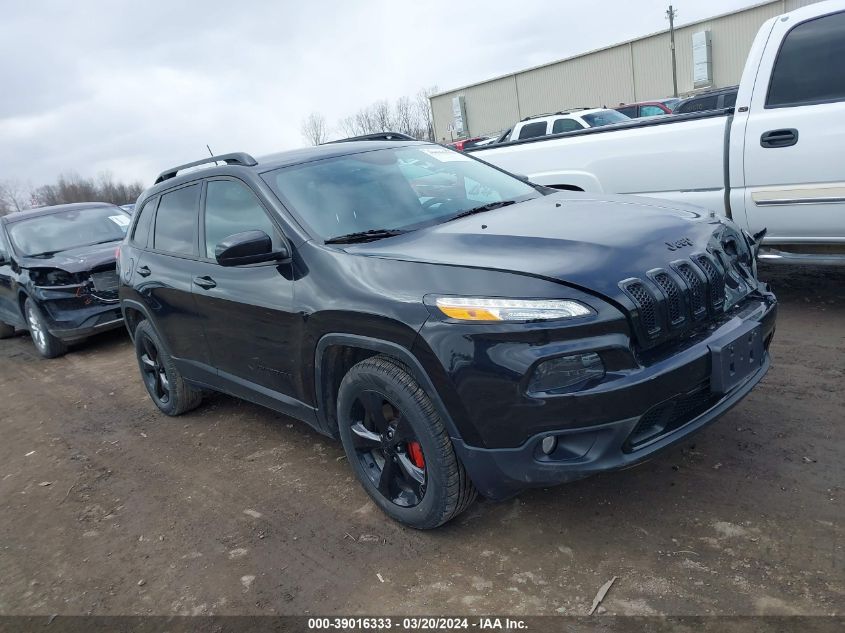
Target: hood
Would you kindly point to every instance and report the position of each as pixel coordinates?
(76, 260)
(583, 240)
(668, 266)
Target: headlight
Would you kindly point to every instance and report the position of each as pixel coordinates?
(482, 309)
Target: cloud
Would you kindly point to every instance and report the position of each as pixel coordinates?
(133, 88)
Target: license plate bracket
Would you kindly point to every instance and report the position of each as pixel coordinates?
(735, 356)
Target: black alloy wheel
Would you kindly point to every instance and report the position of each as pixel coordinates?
(387, 449)
(168, 390)
(153, 372)
(398, 446)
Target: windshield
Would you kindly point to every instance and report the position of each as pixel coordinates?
(605, 117)
(394, 189)
(66, 230)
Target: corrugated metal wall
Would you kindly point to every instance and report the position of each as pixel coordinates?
(633, 71)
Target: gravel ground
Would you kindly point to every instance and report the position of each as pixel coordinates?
(108, 507)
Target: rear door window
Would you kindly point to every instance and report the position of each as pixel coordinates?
(532, 130)
(630, 111)
(176, 221)
(566, 125)
(808, 68)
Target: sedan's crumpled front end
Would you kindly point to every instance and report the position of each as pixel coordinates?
(77, 304)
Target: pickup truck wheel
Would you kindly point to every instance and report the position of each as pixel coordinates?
(47, 345)
(398, 447)
(163, 381)
(6, 330)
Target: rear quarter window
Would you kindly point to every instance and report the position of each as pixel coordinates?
(141, 230)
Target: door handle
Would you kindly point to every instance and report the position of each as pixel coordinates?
(205, 282)
(779, 138)
(144, 271)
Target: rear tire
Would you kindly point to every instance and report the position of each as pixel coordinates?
(166, 386)
(47, 345)
(398, 447)
(6, 330)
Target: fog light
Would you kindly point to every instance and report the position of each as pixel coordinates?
(549, 444)
(566, 373)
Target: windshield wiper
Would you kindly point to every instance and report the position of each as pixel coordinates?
(364, 236)
(481, 209)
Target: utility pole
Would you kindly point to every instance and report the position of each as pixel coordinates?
(671, 13)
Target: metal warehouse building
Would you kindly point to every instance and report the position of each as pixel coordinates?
(636, 70)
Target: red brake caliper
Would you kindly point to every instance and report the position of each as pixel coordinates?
(416, 454)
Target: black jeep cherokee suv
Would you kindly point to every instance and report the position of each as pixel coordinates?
(458, 328)
(57, 273)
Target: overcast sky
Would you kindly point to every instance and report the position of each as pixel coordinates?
(136, 87)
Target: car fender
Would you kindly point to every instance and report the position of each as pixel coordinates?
(380, 346)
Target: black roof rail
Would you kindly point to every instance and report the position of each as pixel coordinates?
(236, 158)
(377, 136)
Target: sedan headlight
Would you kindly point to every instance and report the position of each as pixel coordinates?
(484, 309)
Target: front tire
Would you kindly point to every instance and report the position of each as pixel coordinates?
(47, 345)
(166, 386)
(398, 447)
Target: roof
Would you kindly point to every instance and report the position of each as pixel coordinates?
(562, 115)
(17, 216)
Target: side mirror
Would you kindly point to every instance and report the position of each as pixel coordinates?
(522, 177)
(4, 259)
(249, 247)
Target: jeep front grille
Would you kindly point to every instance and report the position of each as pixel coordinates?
(646, 306)
(715, 281)
(671, 299)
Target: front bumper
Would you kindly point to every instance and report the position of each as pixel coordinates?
(608, 426)
(71, 318)
(504, 472)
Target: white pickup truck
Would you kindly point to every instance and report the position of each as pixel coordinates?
(775, 162)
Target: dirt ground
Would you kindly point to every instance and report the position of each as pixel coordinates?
(108, 507)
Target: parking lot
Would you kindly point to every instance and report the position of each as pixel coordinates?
(109, 507)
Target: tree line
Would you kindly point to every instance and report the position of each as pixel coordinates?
(70, 187)
(411, 116)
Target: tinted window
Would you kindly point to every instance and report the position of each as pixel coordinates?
(566, 125)
(630, 111)
(67, 230)
(699, 104)
(141, 231)
(650, 110)
(604, 117)
(730, 100)
(809, 66)
(530, 130)
(176, 221)
(230, 208)
(403, 188)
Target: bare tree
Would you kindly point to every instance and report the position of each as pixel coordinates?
(14, 196)
(71, 187)
(314, 129)
(408, 116)
(424, 110)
